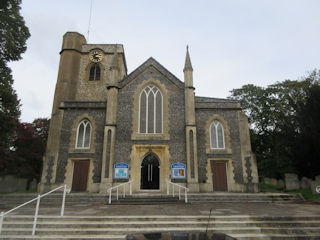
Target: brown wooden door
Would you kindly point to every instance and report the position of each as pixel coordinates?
(80, 176)
(219, 176)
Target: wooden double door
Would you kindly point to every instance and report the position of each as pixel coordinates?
(80, 175)
(219, 175)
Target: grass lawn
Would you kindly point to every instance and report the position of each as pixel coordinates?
(307, 194)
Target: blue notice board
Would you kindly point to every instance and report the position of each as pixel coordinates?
(121, 170)
(178, 170)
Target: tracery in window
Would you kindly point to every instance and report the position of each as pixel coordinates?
(94, 74)
(150, 110)
(216, 135)
(83, 134)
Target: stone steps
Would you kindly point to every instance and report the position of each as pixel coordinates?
(120, 231)
(74, 225)
(79, 224)
(66, 237)
(12, 200)
(116, 227)
(236, 236)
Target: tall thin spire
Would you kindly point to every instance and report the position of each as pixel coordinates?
(187, 65)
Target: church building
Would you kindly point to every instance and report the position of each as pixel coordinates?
(108, 127)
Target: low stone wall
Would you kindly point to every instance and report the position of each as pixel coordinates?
(11, 183)
(292, 182)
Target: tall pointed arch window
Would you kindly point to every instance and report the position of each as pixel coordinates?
(150, 110)
(95, 73)
(216, 135)
(83, 135)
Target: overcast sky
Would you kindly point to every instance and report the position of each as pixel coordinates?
(231, 42)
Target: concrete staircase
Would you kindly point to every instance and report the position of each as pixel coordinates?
(88, 216)
(8, 201)
(245, 197)
(117, 227)
(209, 197)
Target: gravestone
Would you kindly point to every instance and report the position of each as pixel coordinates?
(281, 183)
(314, 184)
(33, 185)
(11, 183)
(292, 181)
(274, 181)
(305, 183)
(267, 180)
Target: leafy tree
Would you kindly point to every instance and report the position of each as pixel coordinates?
(9, 108)
(13, 36)
(306, 148)
(274, 125)
(41, 128)
(29, 148)
(14, 32)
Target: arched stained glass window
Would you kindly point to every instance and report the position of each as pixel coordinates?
(150, 110)
(216, 135)
(94, 73)
(83, 134)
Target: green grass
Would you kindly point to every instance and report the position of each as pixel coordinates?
(270, 188)
(307, 194)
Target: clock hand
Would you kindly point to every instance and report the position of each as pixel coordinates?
(95, 56)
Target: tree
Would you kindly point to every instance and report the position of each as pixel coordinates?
(274, 123)
(13, 36)
(9, 108)
(28, 149)
(306, 148)
(14, 32)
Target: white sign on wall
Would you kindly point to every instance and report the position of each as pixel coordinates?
(121, 170)
(178, 171)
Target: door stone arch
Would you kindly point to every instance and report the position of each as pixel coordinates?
(150, 172)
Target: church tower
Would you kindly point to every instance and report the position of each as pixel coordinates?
(191, 129)
(66, 86)
(86, 93)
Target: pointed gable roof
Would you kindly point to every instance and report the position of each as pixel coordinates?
(151, 62)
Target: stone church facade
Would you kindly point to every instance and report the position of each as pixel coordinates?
(148, 120)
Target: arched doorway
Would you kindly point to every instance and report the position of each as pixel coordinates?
(150, 176)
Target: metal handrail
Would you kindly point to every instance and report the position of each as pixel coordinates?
(179, 188)
(117, 187)
(66, 189)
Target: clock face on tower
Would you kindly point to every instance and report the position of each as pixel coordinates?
(96, 56)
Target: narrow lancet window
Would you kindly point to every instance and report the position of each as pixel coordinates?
(83, 135)
(150, 110)
(216, 135)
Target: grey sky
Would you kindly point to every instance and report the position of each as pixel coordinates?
(232, 42)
